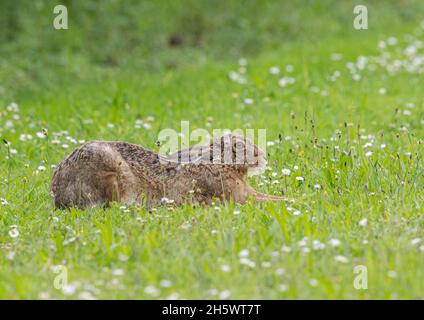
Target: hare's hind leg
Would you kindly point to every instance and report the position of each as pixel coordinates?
(262, 197)
(88, 177)
(77, 193)
(111, 189)
(242, 192)
(82, 188)
(93, 190)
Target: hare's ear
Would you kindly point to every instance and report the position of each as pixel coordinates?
(191, 155)
(180, 156)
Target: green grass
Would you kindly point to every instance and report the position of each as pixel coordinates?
(324, 127)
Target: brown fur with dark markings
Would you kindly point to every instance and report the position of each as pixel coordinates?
(99, 172)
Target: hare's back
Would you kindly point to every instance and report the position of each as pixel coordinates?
(96, 155)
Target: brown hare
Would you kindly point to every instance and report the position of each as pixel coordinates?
(99, 172)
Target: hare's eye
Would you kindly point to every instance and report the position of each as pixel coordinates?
(239, 144)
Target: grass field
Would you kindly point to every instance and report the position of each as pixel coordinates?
(343, 110)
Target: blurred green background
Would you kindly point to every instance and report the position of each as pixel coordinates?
(149, 36)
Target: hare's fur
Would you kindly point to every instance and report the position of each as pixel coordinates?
(99, 172)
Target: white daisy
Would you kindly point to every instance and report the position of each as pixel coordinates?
(334, 242)
(274, 70)
(118, 272)
(342, 259)
(248, 101)
(225, 294)
(363, 222)
(244, 253)
(68, 289)
(286, 171)
(415, 241)
(225, 268)
(282, 288)
(151, 291)
(14, 232)
(165, 283)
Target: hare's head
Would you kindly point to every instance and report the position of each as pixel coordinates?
(228, 149)
(238, 150)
